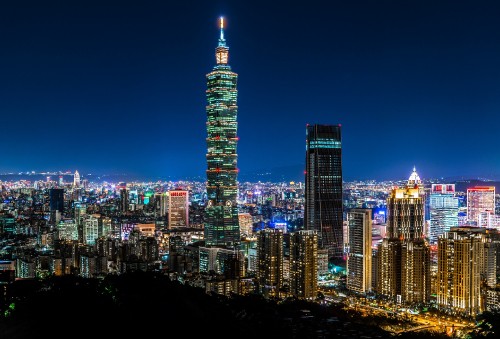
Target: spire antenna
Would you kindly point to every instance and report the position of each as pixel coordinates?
(222, 28)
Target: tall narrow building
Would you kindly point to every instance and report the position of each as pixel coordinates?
(403, 257)
(304, 264)
(323, 177)
(359, 256)
(443, 210)
(270, 261)
(460, 259)
(76, 179)
(56, 199)
(222, 226)
(178, 208)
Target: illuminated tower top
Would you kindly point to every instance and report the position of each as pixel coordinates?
(414, 179)
(222, 41)
(222, 51)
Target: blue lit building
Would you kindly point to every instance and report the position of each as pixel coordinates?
(443, 207)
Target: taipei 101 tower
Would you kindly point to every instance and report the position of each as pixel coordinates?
(221, 225)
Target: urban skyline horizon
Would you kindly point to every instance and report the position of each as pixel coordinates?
(256, 176)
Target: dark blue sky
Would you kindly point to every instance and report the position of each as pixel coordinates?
(119, 87)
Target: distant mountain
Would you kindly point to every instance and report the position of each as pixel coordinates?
(462, 185)
(273, 174)
(111, 178)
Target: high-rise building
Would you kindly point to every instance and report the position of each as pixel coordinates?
(246, 224)
(323, 262)
(443, 210)
(178, 208)
(359, 256)
(76, 179)
(221, 227)
(323, 192)
(90, 229)
(67, 229)
(56, 197)
(207, 259)
(161, 204)
(415, 271)
(124, 199)
(480, 199)
(459, 271)
(270, 261)
(304, 264)
(403, 257)
(225, 262)
(389, 267)
(405, 214)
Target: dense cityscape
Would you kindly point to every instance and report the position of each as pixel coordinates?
(314, 258)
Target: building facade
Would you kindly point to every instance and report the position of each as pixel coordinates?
(405, 214)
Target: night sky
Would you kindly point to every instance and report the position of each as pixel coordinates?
(119, 87)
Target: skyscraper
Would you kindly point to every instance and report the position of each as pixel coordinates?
(178, 208)
(415, 271)
(161, 204)
(56, 197)
(222, 227)
(359, 257)
(76, 179)
(405, 214)
(460, 259)
(323, 192)
(90, 229)
(270, 261)
(304, 264)
(443, 210)
(124, 199)
(403, 258)
(480, 199)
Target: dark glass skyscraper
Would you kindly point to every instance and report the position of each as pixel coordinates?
(323, 212)
(222, 227)
(56, 199)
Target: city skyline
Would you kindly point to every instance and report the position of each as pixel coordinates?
(103, 87)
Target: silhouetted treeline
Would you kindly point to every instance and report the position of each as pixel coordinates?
(140, 304)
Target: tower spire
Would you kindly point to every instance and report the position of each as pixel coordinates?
(222, 28)
(222, 51)
(222, 40)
